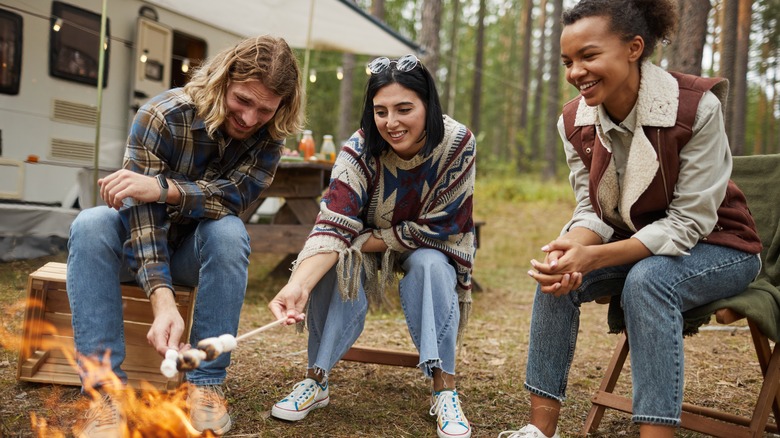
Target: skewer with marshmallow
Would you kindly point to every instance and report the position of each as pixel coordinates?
(207, 349)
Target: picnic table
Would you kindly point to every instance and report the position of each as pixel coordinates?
(300, 184)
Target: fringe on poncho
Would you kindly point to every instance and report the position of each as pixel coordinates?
(425, 202)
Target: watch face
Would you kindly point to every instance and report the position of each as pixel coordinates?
(162, 180)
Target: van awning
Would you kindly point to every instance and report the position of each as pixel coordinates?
(336, 24)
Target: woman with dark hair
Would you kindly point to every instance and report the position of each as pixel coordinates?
(399, 200)
(658, 225)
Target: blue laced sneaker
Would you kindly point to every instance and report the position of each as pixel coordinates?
(451, 421)
(306, 396)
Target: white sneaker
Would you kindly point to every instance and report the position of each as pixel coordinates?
(529, 431)
(451, 423)
(105, 418)
(306, 396)
(208, 409)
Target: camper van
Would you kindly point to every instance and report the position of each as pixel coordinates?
(51, 102)
(49, 93)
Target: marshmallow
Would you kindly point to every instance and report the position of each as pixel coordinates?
(212, 347)
(229, 342)
(190, 359)
(168, 368)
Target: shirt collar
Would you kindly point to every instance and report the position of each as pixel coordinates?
(607, 125)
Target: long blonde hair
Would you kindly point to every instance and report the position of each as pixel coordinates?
(265, 58)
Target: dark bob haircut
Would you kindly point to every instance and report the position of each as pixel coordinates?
(421, 82)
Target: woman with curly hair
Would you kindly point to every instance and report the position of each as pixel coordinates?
(658, 225)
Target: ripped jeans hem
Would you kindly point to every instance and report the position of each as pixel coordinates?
(428, 366)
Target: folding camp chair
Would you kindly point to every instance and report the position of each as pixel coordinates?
(759, 179)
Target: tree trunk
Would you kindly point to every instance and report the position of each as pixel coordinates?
(738, 120)
(526, 29)
(773, 142)
(476, 94)
(509, 100)
(378, 9)
(688, 47)
(347, 123)
(553, 105)
(728, 53)
(536, 147)
(451, 88)
(429, 35)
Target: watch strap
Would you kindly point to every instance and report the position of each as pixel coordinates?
(163, 188)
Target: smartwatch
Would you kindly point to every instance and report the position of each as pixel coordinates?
(163, 188)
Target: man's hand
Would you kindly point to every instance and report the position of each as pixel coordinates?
(168, 325)
(124, 184)
(289, 303)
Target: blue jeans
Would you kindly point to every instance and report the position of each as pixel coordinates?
(429, 301)
(654, 293)
(215, 257)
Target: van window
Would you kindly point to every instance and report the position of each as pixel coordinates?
(10, 51)
(188, 53)
(74, 47)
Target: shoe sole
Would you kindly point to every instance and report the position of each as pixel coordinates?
(289, 415)
(221, 431)
(442, 434)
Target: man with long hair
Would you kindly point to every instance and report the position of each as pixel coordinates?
(197, 157)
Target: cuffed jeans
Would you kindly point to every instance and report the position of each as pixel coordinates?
(429, 301)
(654, 293)
(215, 257)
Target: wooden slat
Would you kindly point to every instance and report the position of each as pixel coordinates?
(33, 364)
(48, 350)
(382, 356)
(277, 239)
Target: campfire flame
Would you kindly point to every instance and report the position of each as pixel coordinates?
(149, 412)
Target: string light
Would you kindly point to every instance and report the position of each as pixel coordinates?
(185, 65)
(340, 73)
(144, 56)
(312, 76)
(57, 25)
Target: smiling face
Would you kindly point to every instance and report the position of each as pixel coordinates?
(604, 68)
(399, 115)
(250, 105)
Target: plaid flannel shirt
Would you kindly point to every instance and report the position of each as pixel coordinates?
(216, 177)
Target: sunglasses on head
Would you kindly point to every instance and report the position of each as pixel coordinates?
(403, 64)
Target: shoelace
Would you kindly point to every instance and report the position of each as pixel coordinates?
(106, 412)
(447, 406)
(211, 396)
(301, 391)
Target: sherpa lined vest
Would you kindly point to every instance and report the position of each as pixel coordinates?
(735, 227)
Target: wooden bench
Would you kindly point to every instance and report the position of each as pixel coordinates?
(47, 353)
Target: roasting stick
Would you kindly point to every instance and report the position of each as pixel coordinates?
(207, 349)
(251, 333)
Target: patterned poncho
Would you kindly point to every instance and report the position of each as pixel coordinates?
(425, 202)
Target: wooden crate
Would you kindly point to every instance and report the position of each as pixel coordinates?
(47, 351)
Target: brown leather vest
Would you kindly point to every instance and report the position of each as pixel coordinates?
(735, 227)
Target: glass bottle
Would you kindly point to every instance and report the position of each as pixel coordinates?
(306, 146)
(328, 150)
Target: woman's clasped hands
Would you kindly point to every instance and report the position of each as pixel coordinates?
(564, 264)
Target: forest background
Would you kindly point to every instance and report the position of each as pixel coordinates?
(499, 72)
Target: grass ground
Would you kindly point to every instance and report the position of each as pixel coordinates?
(374, 400)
